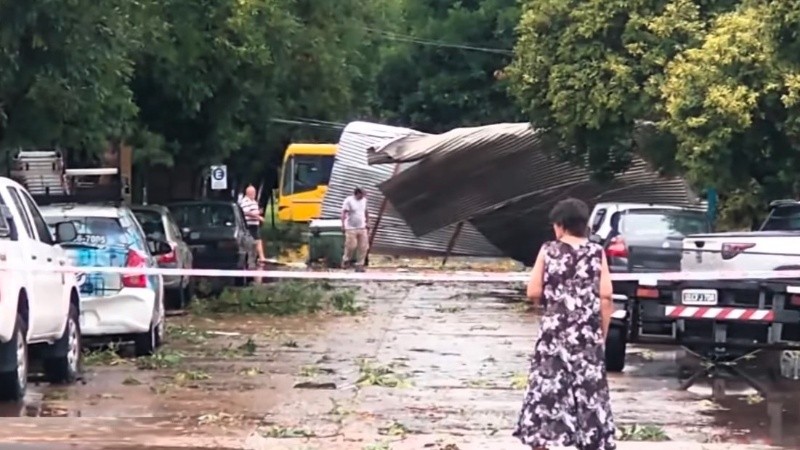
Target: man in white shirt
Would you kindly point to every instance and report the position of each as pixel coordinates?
(355, 222)
(253, 218)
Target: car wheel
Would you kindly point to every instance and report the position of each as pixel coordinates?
(244, 281)
(65, 365)
(145, 344)
(14, 354)
(187, 293)
(616, 343)
(161, 328)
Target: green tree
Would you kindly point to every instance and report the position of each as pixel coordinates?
(442, 72)
(64, 71)
(733, 104)
(219, 72)
(717, 76)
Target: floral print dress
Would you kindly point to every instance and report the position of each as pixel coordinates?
(567, 401)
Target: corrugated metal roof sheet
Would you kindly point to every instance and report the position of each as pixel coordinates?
(504, 179)
(350, 169)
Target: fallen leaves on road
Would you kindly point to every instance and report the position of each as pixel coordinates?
(377, 375)
(635, 432)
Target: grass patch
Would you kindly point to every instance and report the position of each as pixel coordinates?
(187, 376)
(106, 356)
(162, 359)
(394, 429)
(635, 432)
(187, 334)
(377, 375)
(519, 381)
(283, 298)
(345, 301)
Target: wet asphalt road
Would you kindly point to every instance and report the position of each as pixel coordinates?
(458, 353)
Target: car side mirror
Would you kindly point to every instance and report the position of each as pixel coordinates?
(158, 247)
(596, 239)
(65, 232)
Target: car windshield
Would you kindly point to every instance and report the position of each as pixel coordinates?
(663, 223)
(94, 231)
(204, 215)
(783, 218)
(152, 223)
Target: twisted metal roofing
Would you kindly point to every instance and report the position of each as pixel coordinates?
(350, 169)
(504, 179)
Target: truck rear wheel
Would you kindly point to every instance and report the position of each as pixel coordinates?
(616, 343)
(14, 364)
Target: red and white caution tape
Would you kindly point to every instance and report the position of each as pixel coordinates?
(713, 313)
(649, 279)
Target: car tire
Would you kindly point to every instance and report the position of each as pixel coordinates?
(616, 343)
(244, 281)
(64, 367)
(187, 293)
(145, 344)
(14, 353)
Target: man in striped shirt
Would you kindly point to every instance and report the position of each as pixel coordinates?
(253, 218)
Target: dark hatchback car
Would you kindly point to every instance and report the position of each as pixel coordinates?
(216, 233)
(651, 239)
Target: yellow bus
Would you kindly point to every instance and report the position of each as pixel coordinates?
(305, 174)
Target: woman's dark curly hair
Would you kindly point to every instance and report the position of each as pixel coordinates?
(572, 215)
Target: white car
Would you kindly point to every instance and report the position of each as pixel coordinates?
(39, 309)
(115, 307)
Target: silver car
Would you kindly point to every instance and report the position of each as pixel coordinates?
(158, 223)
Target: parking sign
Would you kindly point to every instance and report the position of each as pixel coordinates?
(219, 177)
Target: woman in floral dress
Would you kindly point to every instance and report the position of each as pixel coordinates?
(567, 401)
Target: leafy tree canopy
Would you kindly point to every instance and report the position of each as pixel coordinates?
(442, 71)
(719, 77)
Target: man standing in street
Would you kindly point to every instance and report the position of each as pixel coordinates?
(355, 222)
(253, 218)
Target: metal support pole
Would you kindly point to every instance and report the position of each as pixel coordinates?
(452, 242)
(381, 211)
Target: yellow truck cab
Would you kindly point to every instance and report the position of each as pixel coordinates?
(305, 174)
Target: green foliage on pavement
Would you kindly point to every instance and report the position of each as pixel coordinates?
(282, 298)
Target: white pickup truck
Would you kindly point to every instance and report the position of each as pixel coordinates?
(39, 310)
(775, 246)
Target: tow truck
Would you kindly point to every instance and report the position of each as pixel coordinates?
(718, 312)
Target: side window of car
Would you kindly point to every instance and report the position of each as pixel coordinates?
(7, 223)
(26, 224)
(133, 230)
(38, 221)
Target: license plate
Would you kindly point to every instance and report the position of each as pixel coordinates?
(699, 297)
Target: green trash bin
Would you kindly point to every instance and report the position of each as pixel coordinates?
(326, 242)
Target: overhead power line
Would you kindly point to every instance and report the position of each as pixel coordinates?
(437, 43)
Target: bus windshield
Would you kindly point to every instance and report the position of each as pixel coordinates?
(304, 173)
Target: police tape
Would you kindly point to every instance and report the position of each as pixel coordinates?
(383, 275)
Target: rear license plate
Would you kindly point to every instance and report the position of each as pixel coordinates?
(699, 297)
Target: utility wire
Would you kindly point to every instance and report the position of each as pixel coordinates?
(392, 36)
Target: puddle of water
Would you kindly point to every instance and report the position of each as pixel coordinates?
(760, 422)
